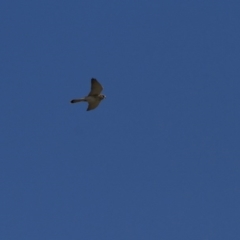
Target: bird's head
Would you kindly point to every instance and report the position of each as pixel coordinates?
(102, 96)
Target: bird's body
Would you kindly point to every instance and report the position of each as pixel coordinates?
(94, 97)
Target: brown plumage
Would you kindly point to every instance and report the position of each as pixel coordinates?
(94, 97)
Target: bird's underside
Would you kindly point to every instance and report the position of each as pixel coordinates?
(94, 97)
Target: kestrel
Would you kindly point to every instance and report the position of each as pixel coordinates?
(94, 97)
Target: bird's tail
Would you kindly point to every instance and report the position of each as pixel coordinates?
(78, 100)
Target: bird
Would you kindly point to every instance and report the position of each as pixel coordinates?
(94, 97)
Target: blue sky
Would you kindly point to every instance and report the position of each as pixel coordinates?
(158, 159)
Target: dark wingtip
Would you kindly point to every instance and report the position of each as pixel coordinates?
(72, 101)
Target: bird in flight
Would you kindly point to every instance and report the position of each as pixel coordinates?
(94, 97)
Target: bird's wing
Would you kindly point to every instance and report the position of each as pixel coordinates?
(93, 105)
(96, 87)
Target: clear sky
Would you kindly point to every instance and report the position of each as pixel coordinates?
(158, 159)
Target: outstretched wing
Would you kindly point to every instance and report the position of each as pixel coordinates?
(96, 87)
(93, 105)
